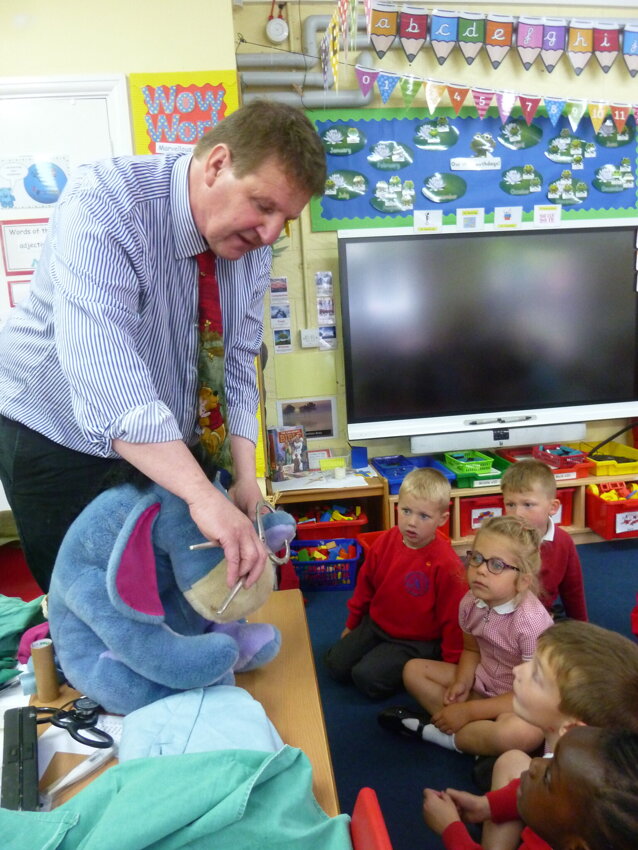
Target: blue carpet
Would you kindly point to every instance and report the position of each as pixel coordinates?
(398, 768)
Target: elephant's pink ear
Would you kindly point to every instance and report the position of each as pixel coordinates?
(131, 572)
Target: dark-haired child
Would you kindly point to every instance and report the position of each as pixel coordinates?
(583, 798)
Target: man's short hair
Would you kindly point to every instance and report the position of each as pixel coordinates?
(526, 474)
(265, 129)
(429, 484)
(596, 672)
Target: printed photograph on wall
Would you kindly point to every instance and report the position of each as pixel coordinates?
(317, 415)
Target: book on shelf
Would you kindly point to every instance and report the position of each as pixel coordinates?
(287, 452)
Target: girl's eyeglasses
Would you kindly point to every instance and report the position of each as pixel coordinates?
(494, 565)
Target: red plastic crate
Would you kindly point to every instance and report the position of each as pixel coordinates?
(474, 509)
(565, 513)
(612, 520)
(578, 470)
(334, 528)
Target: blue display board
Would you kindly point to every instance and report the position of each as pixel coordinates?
(385, 164)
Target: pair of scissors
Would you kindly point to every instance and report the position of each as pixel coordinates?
(275, 559)
(82, 715)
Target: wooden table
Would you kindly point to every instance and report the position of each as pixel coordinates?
(287, 688)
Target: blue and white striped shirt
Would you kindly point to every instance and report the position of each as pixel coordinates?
(106, 345)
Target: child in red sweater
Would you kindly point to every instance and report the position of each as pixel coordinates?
(529, 492)
(584, 798)
(406, 600)
(580, 674)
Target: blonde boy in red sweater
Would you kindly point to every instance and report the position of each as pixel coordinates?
(406, 600)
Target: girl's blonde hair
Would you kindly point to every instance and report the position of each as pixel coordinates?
(526, 541)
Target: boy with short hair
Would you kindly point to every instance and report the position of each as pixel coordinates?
(406, 600)
(529, 492)
(581, 674)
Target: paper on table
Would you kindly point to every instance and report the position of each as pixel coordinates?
(322, 481)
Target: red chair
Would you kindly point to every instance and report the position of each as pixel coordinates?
(367, 825)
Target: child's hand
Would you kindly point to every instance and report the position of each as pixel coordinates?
(451, 718)
(439, 810)
(472, 808)
(457, 692)
(345, 632)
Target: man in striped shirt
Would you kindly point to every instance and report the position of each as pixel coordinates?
(99, 364)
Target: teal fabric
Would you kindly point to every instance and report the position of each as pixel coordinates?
(223, 800)
(16, 617)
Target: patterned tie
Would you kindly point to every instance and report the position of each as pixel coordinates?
(212, 397)
(210, 310)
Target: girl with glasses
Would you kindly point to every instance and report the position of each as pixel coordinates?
(469, 704)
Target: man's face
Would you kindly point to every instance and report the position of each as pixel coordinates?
(555, 795)
(238, 214)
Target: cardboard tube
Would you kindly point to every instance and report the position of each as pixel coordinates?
(46, 676)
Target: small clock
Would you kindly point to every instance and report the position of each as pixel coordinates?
(277, 30)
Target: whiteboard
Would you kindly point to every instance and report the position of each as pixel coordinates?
(57, 122)
(49, 126)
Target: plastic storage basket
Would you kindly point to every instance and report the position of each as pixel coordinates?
(468, 462)
(326, 564)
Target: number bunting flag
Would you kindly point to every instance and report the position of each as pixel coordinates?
(433, 94)
(410, 87)
(366, 78)
(529, 106)
(482, 100)
(619, 114)
(554, 108)
(575, 111)
(597, 113)
(386, 83)
(457, 95)
(505, 101)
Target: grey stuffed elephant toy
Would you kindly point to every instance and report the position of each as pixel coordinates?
(133, 609)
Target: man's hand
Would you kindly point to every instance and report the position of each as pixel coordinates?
(219, 520)
(439, 810)
(246, 494)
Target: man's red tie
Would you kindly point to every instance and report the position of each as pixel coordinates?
(210, 310)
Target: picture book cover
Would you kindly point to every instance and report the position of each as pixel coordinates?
(287, 452)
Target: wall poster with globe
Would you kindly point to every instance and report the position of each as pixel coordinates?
(50, 125)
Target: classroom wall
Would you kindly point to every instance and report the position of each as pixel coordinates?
(40, 38)
(309, 373)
